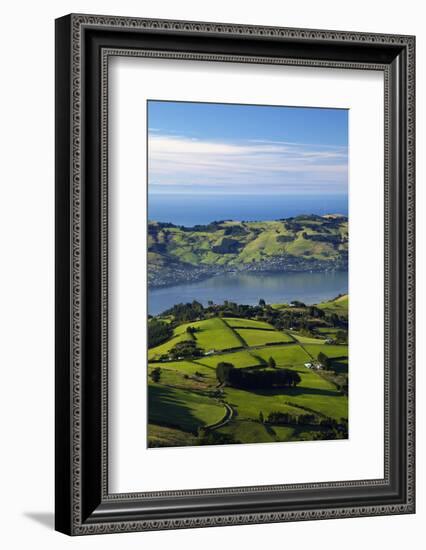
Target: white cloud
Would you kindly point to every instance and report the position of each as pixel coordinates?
(176, 162)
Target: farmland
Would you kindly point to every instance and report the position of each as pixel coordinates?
(246, 374)
(262, 337)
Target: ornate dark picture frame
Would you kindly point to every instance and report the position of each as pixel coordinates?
(84, 44)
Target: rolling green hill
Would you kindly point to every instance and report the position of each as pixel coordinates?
(191, 404)
(337, 305)
(307, 242)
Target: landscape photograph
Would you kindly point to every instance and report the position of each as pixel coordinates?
(247, 270)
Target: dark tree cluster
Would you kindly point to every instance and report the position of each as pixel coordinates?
(227, 374)
(187, 348)
(186, 312)
(332, 429)
(283, 418)
(285, 238)
(329, 428)
(208, 228)
(322, 358)
(332, 239)
(227, 246)
(211, 437)
(235, 230)
(156, 374)
(158, 332)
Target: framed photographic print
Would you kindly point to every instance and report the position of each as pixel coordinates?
(234, 274)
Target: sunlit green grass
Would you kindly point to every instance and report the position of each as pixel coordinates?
(248, 404)
(330, 350)
(254, 337)
(215, 334)
(339, 305)
(306, 339)
(247, 323)
(286, 355)
(184, 374)
(164, 348)
(240, 359)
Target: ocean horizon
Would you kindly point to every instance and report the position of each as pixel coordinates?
(190, 210)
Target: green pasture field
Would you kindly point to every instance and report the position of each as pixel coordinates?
(235, 322)
(186, 367)
(185, 375)
(306, 339)
(164, 348)
(182, 409)
(240, 359)
(339, 305)
(311, 379)
(285, 355)
(245, 431)
(248, 404)
(215, 334)
(253, 337)
(330, 350)
(313, 392)
(304, 247)
(210, 334)
(327, 402)
(284, 433)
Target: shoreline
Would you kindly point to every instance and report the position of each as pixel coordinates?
(205, 275)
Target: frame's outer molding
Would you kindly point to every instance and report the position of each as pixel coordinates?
(83, 505)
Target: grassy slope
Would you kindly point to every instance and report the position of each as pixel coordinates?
(240, 359)
(329, 350)
(186, 375)
(185, 410)
(215, 334)
(338, 305)
(180, 398)
(254, 337)
(255, 241)
(234, 322)
(167, 346)
(161, 436)
(210, 334)
(306, 339)
(249, 404)
(286, 355)
(247, 431)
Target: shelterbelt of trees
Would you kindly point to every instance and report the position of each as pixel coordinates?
(232, 373)
(304, 243)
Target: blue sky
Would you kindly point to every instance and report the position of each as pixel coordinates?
(206, 148)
